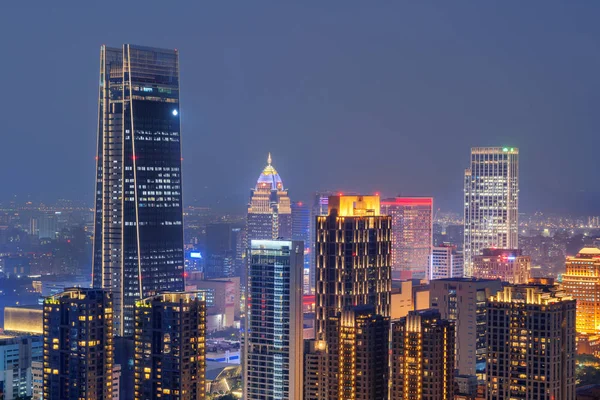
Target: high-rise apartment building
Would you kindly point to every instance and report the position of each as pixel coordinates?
(169, 347)
(353, 246)
(273, 333)
(269, 210)
(301, 231)
(412, 237)
(507, 265)
(78, 345)
(531, 344)
(582, 281)
(491, 201)
(422, 366)
(357, 355)
(445, 262)
(464, 301)
(20, 365)
(138, 230)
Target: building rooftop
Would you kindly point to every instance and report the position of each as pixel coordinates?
(589, 251)
(269, 178)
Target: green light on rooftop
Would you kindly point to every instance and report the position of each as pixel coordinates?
(505, 149)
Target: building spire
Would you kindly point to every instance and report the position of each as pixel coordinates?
(269, 159)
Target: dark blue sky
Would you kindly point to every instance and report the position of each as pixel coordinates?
(349, 95)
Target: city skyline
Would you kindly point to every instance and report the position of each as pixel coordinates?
(293, 96)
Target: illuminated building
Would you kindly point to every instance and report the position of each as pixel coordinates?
(301, 231)
(445, 262)
(491, 201)
(582, 281)
(412, 235)
(23, 320)
(78, 345)
(320, 206)
(19, 366)
(531, 344)
(273, 332)
(169, 347)
(138, 230)
(352, 258)
(219, 252)
(352, 361)
(463, 301)
(269, 211)
(422, 366)
(507, 265)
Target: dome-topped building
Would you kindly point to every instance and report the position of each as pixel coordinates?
(269, 208)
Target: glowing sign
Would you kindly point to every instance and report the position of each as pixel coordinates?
(195, 254)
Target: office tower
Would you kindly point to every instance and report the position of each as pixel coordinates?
(34, 226)
(269, 209)
(531, 344)
(582, 281)
(47, 225)
(463, 301)
(507, 265)
(491, 201)
(273, 332)
(138, 231)
(301, 231)
(412, 235)
(78, 345)
(169, 361)
(19, 368)
(422, 366)
(445, 262)
(352, 258)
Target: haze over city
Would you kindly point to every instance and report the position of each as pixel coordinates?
(346, 96)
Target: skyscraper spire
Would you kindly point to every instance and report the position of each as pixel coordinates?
(269, 159)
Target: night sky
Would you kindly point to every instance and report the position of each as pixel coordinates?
(347, 95)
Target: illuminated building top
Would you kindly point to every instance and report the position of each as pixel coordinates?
(269, 210)
(354, 206)
(269, 178)
(530, 294)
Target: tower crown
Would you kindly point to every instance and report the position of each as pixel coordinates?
(269, 178)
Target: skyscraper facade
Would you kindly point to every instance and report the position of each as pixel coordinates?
(353, 245)
(463, 301)
(531, 344)
(491, 201)
(78, 345)
(445, 262)
(138, 230)
(269, 210)
(422, 366)
(582, 281)
(273, 332)
(412, 237)
(507, 265)
(301, 231)
(169, 347)
(319, 207)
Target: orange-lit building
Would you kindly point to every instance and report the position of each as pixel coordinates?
(582, 281)
(412, 235)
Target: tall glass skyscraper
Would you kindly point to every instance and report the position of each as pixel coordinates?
(491, 201)
(138, 231)
(273, 334)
